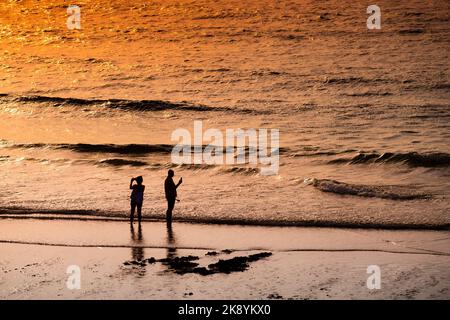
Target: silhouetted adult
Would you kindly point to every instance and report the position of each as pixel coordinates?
(170, 189)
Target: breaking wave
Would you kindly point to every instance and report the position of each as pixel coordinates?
(371, 191)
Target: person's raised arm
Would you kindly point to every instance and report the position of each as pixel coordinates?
(131, 183)
(179, 182)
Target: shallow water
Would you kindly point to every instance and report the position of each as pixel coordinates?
(366, 109)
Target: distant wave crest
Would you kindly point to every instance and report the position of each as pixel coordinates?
(122, 104)
(413, 159)
(97, 148)
(123, 162)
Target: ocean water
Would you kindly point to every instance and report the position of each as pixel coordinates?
(363, 115)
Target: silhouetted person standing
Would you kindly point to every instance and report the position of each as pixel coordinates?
(137, 197)
(170, 189)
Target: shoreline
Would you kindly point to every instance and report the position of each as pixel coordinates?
(77, 215)
(206, 248)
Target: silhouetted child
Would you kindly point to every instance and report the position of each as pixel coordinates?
(137, 197)
(170, 189)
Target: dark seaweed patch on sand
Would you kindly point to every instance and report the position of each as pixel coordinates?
(186, 264)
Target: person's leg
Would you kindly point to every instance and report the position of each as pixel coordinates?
(168, 212)
(170, 205)
(139, 211)
(133, 208)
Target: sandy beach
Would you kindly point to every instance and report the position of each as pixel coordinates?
(305, 263)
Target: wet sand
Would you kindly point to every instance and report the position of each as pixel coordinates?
(305, 263)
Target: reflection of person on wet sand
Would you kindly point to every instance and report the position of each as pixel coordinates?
(170, 189)
(137, 197)
(137, 253)
(171, 248)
